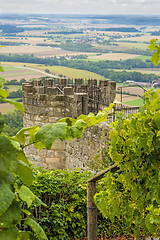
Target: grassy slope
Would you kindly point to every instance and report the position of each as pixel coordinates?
(68, 72)
(73, 73)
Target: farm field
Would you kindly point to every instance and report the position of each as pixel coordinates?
(55, 70)
(6, 107)
(113, 56)
(73, 73)
(145, 38)
(18, 72)
(39, 51)
(131, 45)
(136, 102)
(155, 71)
(130, 100)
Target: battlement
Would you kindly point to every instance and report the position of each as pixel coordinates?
(51, 100)
(67, 99)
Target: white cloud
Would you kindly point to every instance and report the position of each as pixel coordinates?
(82, 6)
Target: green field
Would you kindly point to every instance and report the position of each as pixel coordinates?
(10, 68)
(23, 73)
(141, 46)
(142, 57)
(136, 102)
(72, 72)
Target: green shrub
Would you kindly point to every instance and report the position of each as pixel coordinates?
(65, 194)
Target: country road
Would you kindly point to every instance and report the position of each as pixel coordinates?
(33, 69)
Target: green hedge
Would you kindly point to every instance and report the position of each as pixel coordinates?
(65, 194)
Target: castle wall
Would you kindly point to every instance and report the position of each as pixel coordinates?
(49, 102)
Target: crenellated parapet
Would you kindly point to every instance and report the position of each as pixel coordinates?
(49, 101)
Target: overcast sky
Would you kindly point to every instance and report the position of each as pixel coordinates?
(145, 7)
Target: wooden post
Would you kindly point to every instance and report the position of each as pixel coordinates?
(91, 207)
(91, 212)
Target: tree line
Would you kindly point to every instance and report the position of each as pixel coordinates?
(104, 68)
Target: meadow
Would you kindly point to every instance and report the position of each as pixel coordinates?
(72, 73)
(56, 70)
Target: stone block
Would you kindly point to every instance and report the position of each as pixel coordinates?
(48, 82)
(68, 91)
(60, 98)
(52, 161)
(60, 154)
(40, 89)
(63, 82)
(53, 119)
(50, 154)
(58, 145)
(78, 81)
(42, 97)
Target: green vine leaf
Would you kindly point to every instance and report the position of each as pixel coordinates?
(9, 233)
(11, 217)
(49, 133)
(26, 195)
(36, 228)
(3, 93)
(7, 155)
(2, 82)
(25, 173)
(1, 69)
(6, 197)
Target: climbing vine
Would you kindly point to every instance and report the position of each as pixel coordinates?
(134, 192)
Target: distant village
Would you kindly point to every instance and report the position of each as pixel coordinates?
(154, 84)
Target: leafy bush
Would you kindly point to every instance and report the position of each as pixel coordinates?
(65, 194)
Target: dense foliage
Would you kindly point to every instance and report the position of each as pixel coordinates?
(134, 194)
(64, 192)
(14, 82)
(15, 94)
(8, 28)
(65, 217)
(13, 122)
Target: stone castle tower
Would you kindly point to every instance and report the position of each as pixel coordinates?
(50, 101)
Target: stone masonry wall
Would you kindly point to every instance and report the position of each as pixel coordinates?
(49, 102)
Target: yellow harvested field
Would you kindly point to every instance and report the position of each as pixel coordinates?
(144, 38)
(6, 107)
(125, 98)
(113, 56)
